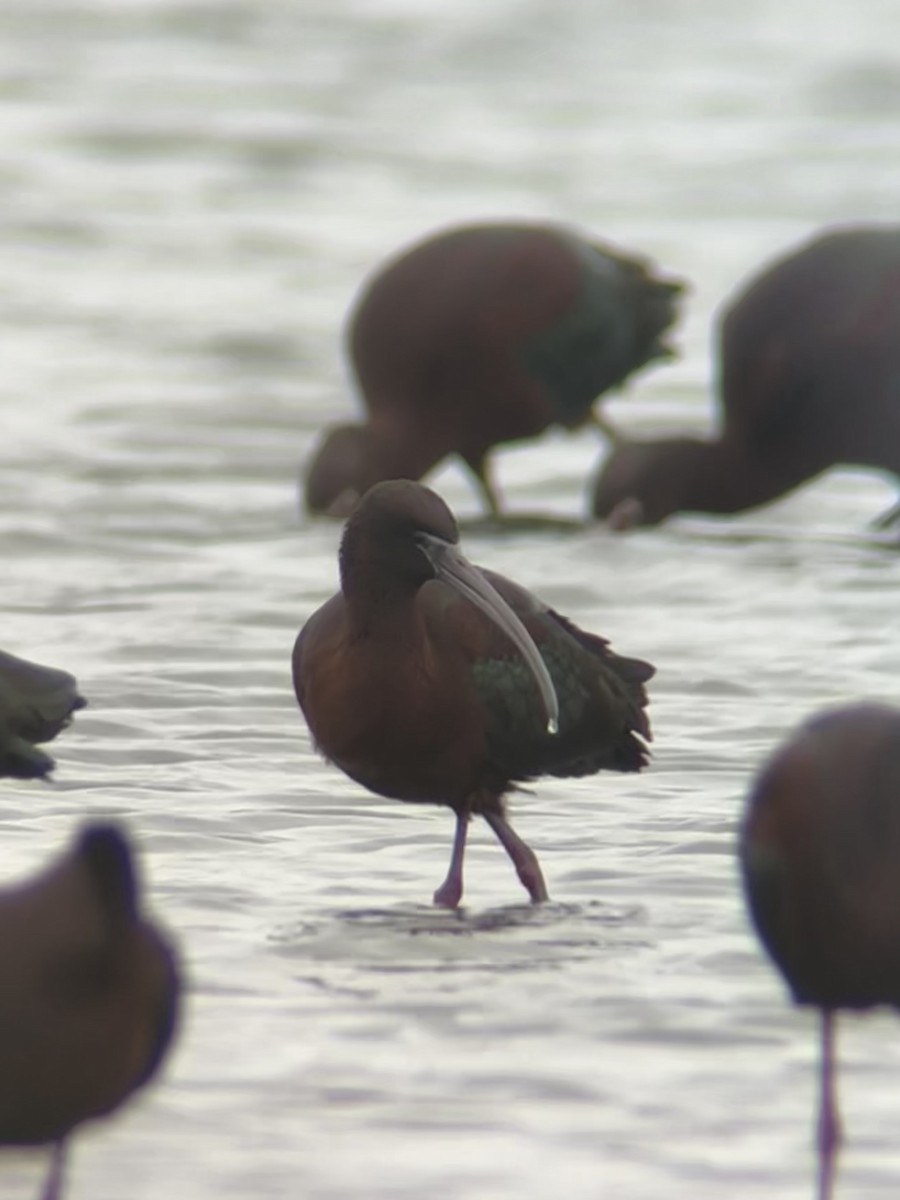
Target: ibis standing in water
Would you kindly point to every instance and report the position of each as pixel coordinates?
(820, 855)
(36, 703)
(88, 999)
(428, 680)
(809, 378)
(481, 335)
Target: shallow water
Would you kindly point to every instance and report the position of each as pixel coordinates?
(191, 193)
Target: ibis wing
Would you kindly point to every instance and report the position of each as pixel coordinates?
(602, 726)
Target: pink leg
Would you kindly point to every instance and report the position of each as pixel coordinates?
(450, 892)
(524, 858)
(830, 1134)
(53, 1185)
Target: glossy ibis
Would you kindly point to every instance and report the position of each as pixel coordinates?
(481, 335)
(428, 680)
(89, 996)
(819, 850)
(35, 704)
(808, 379)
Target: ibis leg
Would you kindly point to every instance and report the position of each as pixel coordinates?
(53, 1185)
(450, 892)
(480, 468)
(829, 1117)
(523, 857)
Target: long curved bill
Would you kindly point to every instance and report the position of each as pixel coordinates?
(454, 569)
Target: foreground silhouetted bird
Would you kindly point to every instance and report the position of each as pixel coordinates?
(429, 680)
(820, 853)
(482, 335)
(88, 999)
(809, 363)
(35, 704)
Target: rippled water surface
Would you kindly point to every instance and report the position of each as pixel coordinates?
(191, 193)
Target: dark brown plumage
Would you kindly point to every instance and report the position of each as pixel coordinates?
(89, 1000)
(482, 335)
(411, 681)
(36, 703)
(819, 851)
(809, 355)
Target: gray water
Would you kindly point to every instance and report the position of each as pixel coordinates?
(190, 194)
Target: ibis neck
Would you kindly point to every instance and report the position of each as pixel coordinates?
(379, 593)
(724, 477)
(402, 451)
